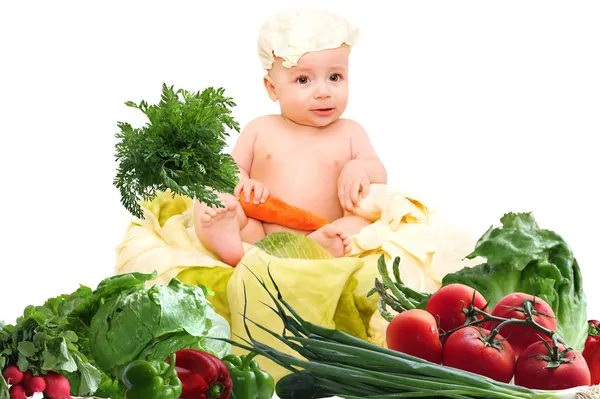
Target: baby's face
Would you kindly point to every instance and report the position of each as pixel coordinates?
(315, 91)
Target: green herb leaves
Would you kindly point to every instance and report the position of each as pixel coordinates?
(4, 393)
(41, 340)
(180, 149)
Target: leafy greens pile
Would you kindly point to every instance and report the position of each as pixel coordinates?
(180, 149)
(522, 257)
(90, 335)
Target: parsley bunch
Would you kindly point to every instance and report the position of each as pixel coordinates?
(50, 338)
(180, 149)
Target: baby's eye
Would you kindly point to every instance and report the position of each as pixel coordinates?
(302, 80)
(335, 77)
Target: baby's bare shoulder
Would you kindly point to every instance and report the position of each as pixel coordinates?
(261, 123)
(255, 130)
(352, 127)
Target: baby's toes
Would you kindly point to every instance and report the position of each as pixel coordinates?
(331, 230)
(347, 247)
(200, 209)
(204, 217)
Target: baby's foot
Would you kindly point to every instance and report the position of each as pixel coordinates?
(218, 230)
(333, 239)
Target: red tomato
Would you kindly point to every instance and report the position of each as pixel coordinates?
(533, 372)
(415, 333)
(591, 351)
(520, 337)
(447, 305)
(467, 350)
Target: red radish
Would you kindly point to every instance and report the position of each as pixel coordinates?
(17, 392)
(12, 375)
(26, 376)
(34, 384)
(57, 386)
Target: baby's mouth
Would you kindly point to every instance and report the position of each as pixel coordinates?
(323, 111)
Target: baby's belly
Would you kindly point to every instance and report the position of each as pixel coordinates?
(314, 192)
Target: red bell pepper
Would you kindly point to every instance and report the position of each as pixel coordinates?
(202, 375)
(591, 351)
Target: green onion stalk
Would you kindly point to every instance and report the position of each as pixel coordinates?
(334, 363)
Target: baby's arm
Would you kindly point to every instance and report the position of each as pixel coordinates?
(243, 151)
(364, 155)
(364, 168)
(243, 155)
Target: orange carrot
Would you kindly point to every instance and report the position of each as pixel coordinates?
(275, 211)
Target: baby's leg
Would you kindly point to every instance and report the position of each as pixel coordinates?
(335, 237)
(253, 230)
(351, 224)
(221, 230)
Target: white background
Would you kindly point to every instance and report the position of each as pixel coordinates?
(481, 107)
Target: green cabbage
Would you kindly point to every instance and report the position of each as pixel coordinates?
(285, 244)
(521, 257)
(142, 322)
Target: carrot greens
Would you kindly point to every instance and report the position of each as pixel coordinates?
(180, 148)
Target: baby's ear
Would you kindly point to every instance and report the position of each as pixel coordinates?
(268, 81)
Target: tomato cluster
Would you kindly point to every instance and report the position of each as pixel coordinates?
(457, 330)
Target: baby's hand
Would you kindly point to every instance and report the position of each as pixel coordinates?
(352, 182)
(261, 193)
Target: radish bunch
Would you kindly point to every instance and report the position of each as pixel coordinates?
(25, 384)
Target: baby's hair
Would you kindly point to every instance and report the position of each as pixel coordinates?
(290, 35)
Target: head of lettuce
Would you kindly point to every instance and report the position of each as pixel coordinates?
(134, 321)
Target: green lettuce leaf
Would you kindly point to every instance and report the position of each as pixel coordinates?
(218, 327)
(215, 279)
(521, 257)
(4, 394)
(150, 323)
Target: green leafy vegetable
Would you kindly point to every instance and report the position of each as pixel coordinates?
(521, 257)
(284, 244)
(88, 335)
(41, 340)
(149, 323)
(4, 394)
(179, 149)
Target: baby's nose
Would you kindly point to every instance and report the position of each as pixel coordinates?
(321, 91)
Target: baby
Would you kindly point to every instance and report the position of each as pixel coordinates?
(307, 156)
